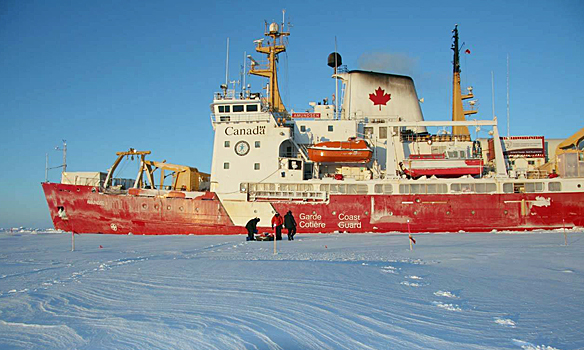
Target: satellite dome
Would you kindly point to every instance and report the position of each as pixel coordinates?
(274, 28)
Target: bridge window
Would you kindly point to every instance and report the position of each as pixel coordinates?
(555, 186)
(257, 144)
(224, 109)
(303, 128)
(238, 108)
(251, 108)
(330, 128)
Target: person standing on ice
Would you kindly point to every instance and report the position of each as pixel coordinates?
(278, 221)
(290, 224)
(251, 228)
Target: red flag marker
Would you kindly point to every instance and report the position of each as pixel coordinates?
(467, 51)
(100, 247)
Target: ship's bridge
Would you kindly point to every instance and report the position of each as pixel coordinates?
(231, 106)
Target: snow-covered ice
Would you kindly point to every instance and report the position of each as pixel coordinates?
(334, 291)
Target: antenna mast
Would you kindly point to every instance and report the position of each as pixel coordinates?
(227, 65)
(336, 84)
(508, 131)
(274, 47)
(458, 112)
(244, 73)
(64, 149)
(63, 166)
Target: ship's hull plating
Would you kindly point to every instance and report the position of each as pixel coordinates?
(85, 210)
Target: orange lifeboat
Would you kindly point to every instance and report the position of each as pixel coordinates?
(350, 151)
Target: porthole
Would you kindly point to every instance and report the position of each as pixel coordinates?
(144, 206)
(366, 213)
(417, 200)
(579, 185)
(196, 210)
(415, 213)
(168, 207)
(334, 213)
(156, 206)
(93, 190)
(472, 212)
(448, 212)
(506, 212)
(180, 208)
(391, 213)
(314, 212)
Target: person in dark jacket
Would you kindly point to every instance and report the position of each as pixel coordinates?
(290, 224)
(251, 228)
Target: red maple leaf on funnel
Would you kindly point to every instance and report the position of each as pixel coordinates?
(379, 97)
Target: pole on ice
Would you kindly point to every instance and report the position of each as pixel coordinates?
(72, 241)
(410, 236)
(565, 234)
(275, 251)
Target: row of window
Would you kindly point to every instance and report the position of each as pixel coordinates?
(340, 188)
(531, 187)
(303, 128)
(281, 187)
(238, 108)
(530, 162)
(368, 130)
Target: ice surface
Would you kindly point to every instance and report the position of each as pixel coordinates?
(335, 291)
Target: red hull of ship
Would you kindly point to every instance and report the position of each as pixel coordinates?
(92, 212)
(88, 211)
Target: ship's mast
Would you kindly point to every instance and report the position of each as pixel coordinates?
(458, 113)
(272, 49)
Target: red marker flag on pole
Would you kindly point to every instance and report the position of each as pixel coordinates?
(412, 239)
(467, 51)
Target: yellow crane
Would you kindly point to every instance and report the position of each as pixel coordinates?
(184, 178)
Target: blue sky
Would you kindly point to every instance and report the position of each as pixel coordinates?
(111, 75)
